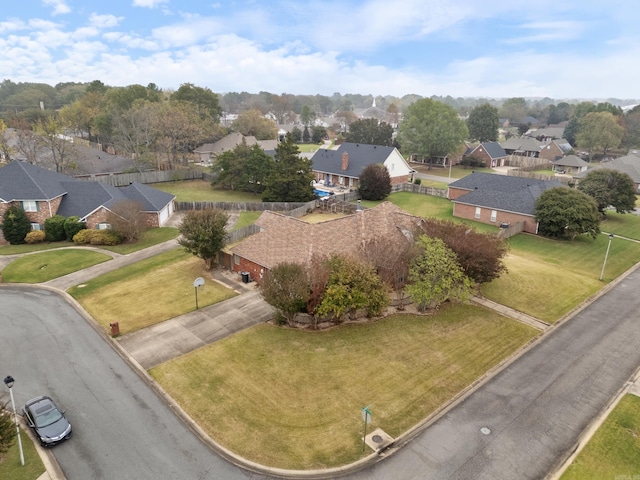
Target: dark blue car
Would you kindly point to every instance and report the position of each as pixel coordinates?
(47, 421)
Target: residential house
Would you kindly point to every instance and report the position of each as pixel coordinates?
(344, 165)
(288, 239)
(498, 199)
(530, 147)
(629, 164)
(571, 165)
(43, 194)
(208, 152)
(490, 153)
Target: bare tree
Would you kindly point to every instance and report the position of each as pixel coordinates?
(52, 138)
(127, 219)
(27, 141)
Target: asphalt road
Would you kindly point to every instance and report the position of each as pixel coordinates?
(121, 428)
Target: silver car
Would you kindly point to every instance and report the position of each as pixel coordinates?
(47, 421)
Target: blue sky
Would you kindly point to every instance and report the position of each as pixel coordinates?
(563, 49)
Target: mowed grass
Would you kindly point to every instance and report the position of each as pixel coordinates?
(10, 466)
(150, 237)
(149, 292)
(612, 452)
(47, 265)
(201, 191)
(292, 399)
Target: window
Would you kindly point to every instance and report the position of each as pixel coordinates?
(36, 226)
(341, 180)
(478, 210)
(236, 259)
(103, 226)
(30, 205)
(494, 215)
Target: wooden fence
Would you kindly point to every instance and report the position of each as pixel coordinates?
(241, 206)
(539, 176)
(421, 189)
(152, 176)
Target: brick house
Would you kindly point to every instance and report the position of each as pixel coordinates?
(498, 199)
(43, 194)
(288, 239)
(344, 165)
(491, 153)
(530, 147)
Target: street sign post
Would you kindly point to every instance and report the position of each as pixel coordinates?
(366, 416)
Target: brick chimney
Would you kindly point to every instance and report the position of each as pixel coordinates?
(345, 161)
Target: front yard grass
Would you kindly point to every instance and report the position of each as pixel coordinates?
(44, 266)
(292, 399)
(150, 237)
(10, 467)
(613, 451)
(149, 291)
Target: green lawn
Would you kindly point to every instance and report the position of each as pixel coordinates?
(291, 399)
(201, 191)
(44, 266)
(612, 453)
(12, 469)
(150, 237)
(149, 291)
(245, 219)
(309, 147)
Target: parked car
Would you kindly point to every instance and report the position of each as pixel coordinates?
(47, 421)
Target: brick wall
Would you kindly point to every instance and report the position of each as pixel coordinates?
(469, 211)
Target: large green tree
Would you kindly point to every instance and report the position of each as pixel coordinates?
(514, 109)
(435, 275)
(254, 123)
(610, 188)
(370, 132)
(375, 182)
(564, 212)
(431, 129)
(203, 99)
(483, 123)
(599, 131)
(203, 233)
(290, 178)
(244, 168)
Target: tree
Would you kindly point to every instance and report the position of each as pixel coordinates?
(431, 129)
(7, 429)
(253, 123)
(27, 141)
(178, 130)
(127, 219)
(564, 212)
(204, 101)
(483, 123)
(318, 133)
(54, 228)
(352, 286)
(203, 234)
(435, 276)
(5, 148)
(632, 131)
(479, 254)
(307, 116)
(52, 139)
(15, 225)
(370, 132)
(375, 182)
(244, 168)
(610, 188)
(599, 131)
(291, 176)
(286, 288)
(514, 109)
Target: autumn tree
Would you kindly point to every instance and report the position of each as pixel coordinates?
(599, 131)
(431, 129)
(370, 132)
(5, 149)
(286, 288)
(203, 234)
(479, 254)
(59, 149)
(610, 188)
(435, 276)
(179, 129)
(135, 132)
(27, 141)
(244, 168)
(127, 219)
(564, 212)
(291, 176)
(483, 123)
(254, 123)
(352, 286)
(375, 182)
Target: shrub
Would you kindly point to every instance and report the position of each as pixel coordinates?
(417, 181)
(97, 237)
(73, 225)
(35, 236)
(15, 225)
(54, 228)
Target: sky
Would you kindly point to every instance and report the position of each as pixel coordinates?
(562, 49)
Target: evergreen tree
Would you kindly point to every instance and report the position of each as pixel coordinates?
(375, 182)
(15, 225)
(483, 123)
(291, 176)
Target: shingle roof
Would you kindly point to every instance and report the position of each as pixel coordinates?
(629, 164)
(360, 156)
(570, 161)
(493, 149)
(501, 192)
(226, 143)
(23, 181)
(522, 144)
(287, 239)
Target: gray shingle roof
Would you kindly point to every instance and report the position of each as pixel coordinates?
(501, 192)
(571, 161)
(493, 149)
(23, 181)
(360, 156)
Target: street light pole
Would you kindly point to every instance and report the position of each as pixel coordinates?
(9, 381)
(606, 255)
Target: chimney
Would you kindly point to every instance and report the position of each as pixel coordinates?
(345, 161)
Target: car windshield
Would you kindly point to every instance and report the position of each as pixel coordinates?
(46, 415)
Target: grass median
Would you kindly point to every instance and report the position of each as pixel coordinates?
(50, 264)
(292, 399)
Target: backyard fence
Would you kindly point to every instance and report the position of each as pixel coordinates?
(243, 206)
(151, 176)
(421, 189)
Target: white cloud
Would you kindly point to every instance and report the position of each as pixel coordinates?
(104, 21)
(148, 3)
(59, 6)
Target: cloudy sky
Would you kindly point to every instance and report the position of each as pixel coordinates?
(563, 49)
